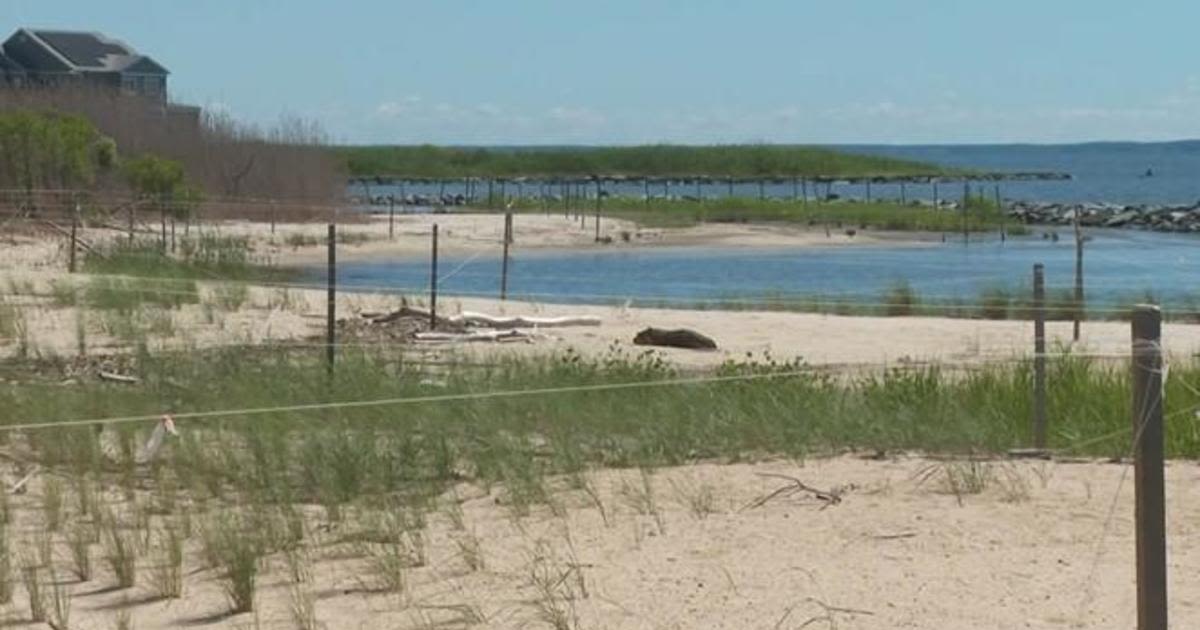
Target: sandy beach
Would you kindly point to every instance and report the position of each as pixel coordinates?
(1036, 545)
(295, 312)
(1038, 548)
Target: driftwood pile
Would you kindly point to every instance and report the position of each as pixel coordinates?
(410, 324)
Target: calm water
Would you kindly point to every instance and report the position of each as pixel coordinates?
(1119, 266)
(1109, 172)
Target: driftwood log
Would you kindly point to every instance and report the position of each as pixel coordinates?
(676, 338)
(483, 320)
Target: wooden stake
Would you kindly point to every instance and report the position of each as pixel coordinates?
(1078, 310)
(504, 260)
(598, 210)
(74, 238)
(1149, 502)
(391, 217)
(331, 300)
(433, 280)
(1039, 357)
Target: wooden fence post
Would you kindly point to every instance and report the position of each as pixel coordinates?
(331, 300)
(903, 201)
(433, 280)
(1149, 503)
(272, 217)
(1003, 215)
(74, 238)
(504, 260)
(935, 194)
(598, 210)
(868, 186)
(1039, 357)
(1078, 310)
(391, 217)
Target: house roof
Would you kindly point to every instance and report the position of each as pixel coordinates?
(94, 52)
(8, 66)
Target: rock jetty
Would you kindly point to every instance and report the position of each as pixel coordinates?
(1164, 218)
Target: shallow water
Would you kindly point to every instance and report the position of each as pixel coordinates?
(1120, 267)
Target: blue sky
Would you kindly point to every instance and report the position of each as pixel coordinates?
(693, 71)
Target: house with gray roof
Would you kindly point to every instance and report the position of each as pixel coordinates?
(38, 57)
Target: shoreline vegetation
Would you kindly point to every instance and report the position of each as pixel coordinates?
(984, 409)
(428, 161)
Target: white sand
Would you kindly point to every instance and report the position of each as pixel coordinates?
(1036, 549)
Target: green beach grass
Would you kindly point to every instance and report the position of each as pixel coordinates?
(342, 453)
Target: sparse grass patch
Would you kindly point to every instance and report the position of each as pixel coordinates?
(230, 296)
(52, 502)
(121, 552)
(31, 577)
(168, 572)
(232, 542)
(79, 542)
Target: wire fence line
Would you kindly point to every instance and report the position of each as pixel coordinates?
(799, 303)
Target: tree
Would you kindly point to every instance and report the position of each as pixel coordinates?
(49, 150)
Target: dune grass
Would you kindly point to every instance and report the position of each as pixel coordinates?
(336, 456)
(200, 257)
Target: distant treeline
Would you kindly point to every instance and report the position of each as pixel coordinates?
(427, 161)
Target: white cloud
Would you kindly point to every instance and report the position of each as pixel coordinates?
(581, 116)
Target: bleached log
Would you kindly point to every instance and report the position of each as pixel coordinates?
(470, 318)
(493, 321)
(474, 335)
(117, 378)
